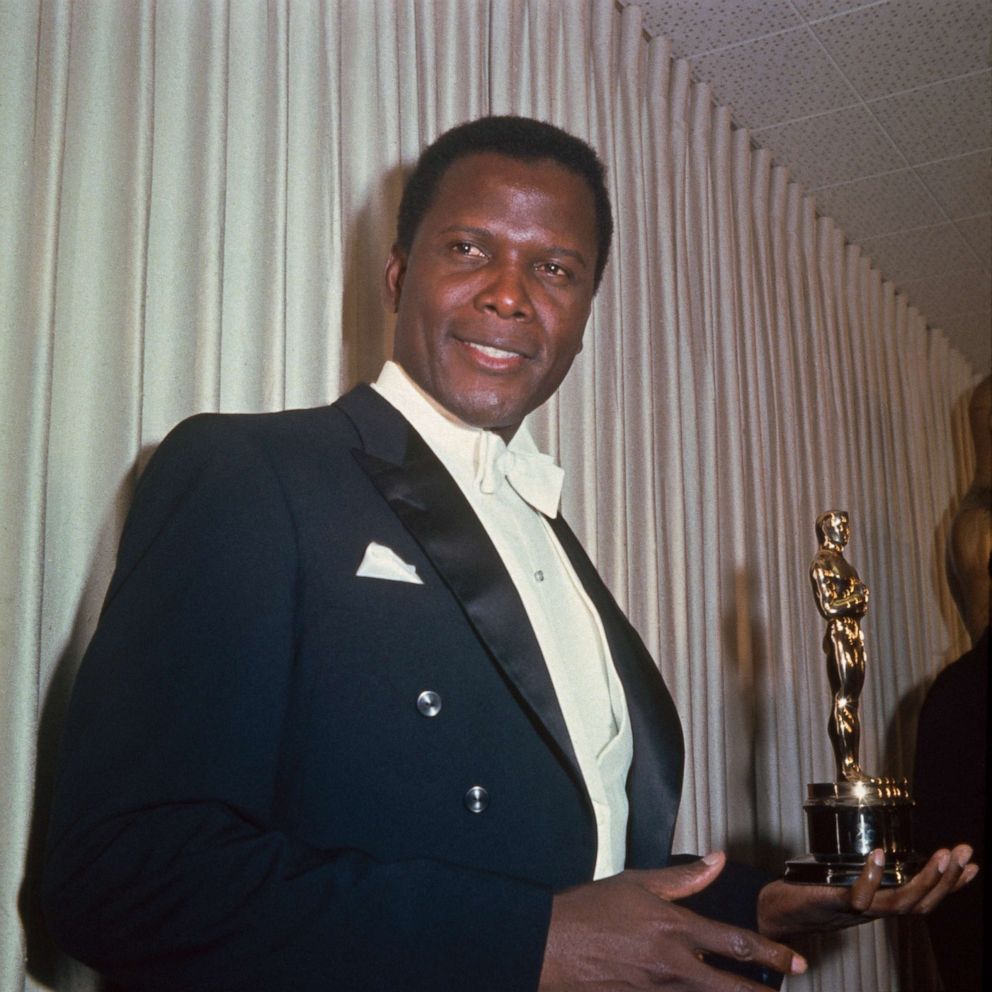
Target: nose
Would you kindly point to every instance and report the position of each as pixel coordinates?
(505, 293)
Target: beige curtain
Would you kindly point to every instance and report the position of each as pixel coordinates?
(196, 201)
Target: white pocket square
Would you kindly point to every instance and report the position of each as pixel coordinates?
(380, 562)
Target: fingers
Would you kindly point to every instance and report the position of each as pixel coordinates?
(868, 882)
(945, 872)
(680, 881)
(745, 945)
(939, 876)
(954, 871)
(962, 855)
(967, 875)
(615, 933)
(707, 936)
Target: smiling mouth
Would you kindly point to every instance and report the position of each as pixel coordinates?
(488, 349)
(491, 357)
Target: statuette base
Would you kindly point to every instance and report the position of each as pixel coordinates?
(809, 870)
(845, 822)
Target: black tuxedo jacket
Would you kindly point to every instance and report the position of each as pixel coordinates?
(249, 796)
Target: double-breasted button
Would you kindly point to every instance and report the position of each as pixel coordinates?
(429, 703)
(476, 799)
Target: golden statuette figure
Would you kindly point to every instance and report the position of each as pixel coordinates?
(849, 818)
(842, 599)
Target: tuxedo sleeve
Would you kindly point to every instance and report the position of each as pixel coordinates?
(169, 864)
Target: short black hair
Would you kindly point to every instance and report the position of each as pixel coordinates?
(516, 137)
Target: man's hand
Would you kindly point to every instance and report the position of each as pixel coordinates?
(625, 932)
(786, 909)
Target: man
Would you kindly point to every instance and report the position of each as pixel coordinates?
(951, 737)
(842, 599)
(359, 713)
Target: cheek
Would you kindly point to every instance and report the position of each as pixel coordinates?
(568, 344)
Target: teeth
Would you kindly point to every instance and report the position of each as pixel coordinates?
(495, 352)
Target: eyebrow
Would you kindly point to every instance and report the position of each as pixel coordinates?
(481, 232)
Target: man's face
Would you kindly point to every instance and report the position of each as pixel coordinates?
(494, 294)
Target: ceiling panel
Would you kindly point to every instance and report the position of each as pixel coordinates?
(814, 9)
(938, 121)
(969, 333)
(833, 147)
(977, 231)
(775, 78)
(888, 47)
(867, 208)
(943, 297)
(884, 110)
(701, 25)
(963, 185)
(912, 255)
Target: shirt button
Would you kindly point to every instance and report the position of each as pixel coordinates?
(429, 703)
(539, 575)
(476, 799)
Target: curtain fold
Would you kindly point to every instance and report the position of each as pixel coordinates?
(196, 205)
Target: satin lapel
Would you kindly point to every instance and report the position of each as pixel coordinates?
(655, 784)
(433, 509)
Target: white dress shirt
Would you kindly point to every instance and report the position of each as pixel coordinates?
(567, 626)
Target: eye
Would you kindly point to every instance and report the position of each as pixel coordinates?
(466, 249)
(555, 270)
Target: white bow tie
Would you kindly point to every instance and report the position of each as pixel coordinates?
(533, 475)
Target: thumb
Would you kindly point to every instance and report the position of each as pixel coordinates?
(680, 881)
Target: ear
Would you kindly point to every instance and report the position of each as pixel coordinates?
(393, 277)
(585, 329)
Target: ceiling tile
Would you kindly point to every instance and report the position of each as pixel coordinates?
(962, 185)
(702, 25)
(945, 296)
(903, 44)
(775, 79)
(814, 9)
(909, 256)
(867, 208)
(971, 334)
(939, 121)
(831, 148)
(790, 69)
(977, 231)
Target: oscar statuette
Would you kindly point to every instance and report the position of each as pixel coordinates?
(849, 818)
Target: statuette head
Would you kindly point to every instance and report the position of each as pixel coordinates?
(833, 528)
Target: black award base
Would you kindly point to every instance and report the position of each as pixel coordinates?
(845, 822)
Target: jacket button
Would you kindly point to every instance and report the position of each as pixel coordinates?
(429, 703)
(476, 799)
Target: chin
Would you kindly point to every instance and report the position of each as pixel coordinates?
(490, 416)
(489, 422)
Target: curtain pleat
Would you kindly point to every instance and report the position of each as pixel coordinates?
(196, 205)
